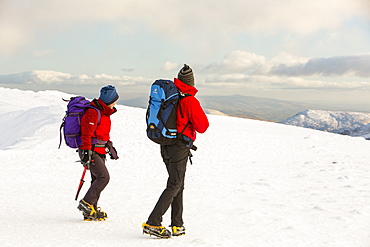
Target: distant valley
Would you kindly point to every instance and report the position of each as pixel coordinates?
(243, 106)
(324, 118)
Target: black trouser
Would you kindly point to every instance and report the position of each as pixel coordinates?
(175, 157)
(99, 179)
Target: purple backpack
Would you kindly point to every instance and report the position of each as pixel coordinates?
(71, 124)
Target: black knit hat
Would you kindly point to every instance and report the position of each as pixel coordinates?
(186, 75)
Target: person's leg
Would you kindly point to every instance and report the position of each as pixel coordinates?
(177, 208)
(100, 175)
(176, 167)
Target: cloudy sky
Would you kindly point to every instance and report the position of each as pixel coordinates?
(309, 50)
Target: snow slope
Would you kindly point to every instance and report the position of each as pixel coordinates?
(347, 123)
(252, 183)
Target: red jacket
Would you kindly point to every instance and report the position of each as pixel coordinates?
(90, 127)
(190, 111)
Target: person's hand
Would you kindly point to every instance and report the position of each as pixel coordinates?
(112, 151)
(86, 158)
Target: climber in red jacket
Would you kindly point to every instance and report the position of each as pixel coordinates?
(95, 140)
(190, 116)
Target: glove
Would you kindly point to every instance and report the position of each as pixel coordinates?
(86, 158)
(111, 151)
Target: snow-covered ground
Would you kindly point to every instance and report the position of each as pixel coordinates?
(346, 123)
(252, 183)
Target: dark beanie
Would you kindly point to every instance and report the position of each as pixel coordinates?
(186, 75)
(108, 94)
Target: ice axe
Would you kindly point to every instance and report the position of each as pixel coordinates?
(81, 182)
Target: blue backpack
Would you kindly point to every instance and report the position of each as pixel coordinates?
(161, 113)
(71, 124)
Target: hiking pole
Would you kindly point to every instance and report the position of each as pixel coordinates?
(81, 182)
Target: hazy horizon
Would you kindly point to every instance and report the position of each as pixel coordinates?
(307, 51)
(124, 95)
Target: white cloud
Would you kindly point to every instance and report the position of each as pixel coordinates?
(21, 20)
(12, 37)
(244, 62)
(47, 77)
(287, 59)
(363, 8)
(332, 66)
(237, 61)
(285, 64)
(286, 71)
(262, 82)
(170, 66)
(300, 83)
(232, 81)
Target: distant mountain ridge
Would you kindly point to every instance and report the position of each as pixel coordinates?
(241, 106)
(233, 105)
(340, 122)
(36, 77)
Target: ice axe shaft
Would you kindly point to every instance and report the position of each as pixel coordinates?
(81, 182)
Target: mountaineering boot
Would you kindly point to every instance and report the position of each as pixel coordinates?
(178, 230)
(87, 209)
(100, 215)
(158, 231)
(87, 217)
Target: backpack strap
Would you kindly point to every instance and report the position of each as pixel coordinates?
(189, 143)
(172, 101)
(99, 114)
(169, 101)
(183, 95)
(94, 141)
(97, 108)
(62, 125)
(60, 133)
